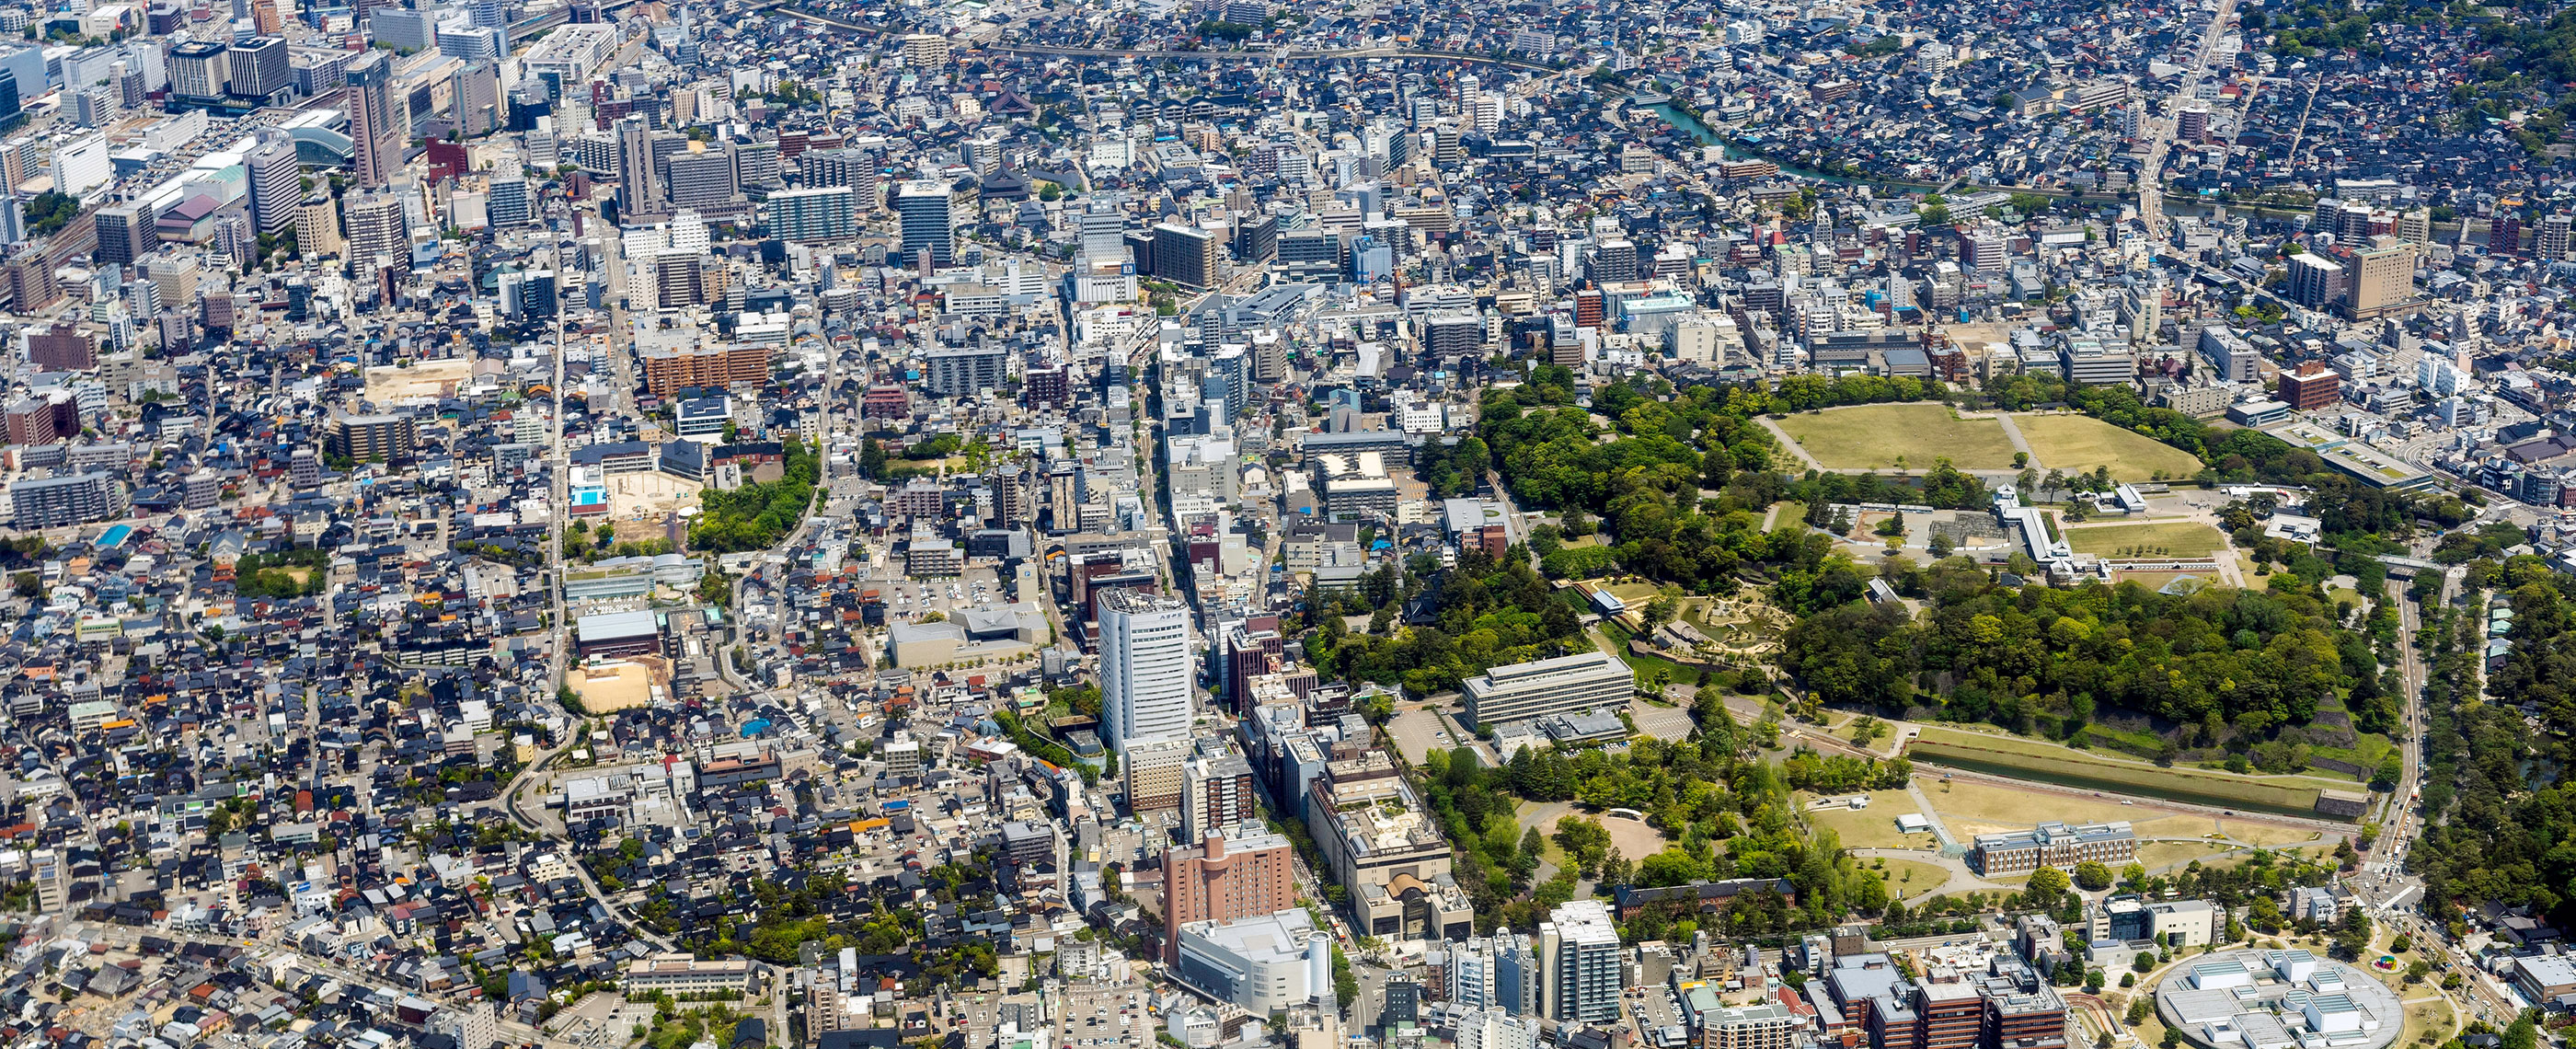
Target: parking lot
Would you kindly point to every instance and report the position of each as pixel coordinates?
(1417, 732)
(1653, 1009)
(1664, 723)
(1105, 1017)
(908, 599)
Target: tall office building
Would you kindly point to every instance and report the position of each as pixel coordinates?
(1578, 955)
(125, 233)
(1104, 230)
(374, 135)
(258, 68)
(200, 71)
(276, 182)
(639, 185)
(923, 207)
(1145, 667)
(2383, 279)
(1238, 873)
(1185, 255)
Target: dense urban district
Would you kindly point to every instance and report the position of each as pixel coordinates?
(1229, 524)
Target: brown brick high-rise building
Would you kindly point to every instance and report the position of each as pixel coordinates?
(1239, 873)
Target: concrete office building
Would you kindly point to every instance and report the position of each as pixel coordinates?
(1241, 872)
(2311, 388)
(703, 177)
(1383, 846)
(1521, 691)
(2383, 281)
(200, 71)
(1145, 667)
(258, 69)
(276, 182)
(2096, 363)
(639, 184)
(375, 135)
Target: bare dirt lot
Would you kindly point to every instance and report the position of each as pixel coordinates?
(388, 386)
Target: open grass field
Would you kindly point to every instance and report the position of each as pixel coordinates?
(1634, 595)
(1972, 808)
(2161, 539)
(1911, 877)
(2080, 443)
(2066, 767)
(1872, 437)
(2156, 855)
(2270, 835)
(1873, 827)
(2430, 1021)
(2161, 580)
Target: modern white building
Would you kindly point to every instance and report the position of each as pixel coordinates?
(1145, 667)
(1262, 964)
(1579, 972)
(1496, 1029)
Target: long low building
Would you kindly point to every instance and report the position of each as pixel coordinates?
(680, 972)
(2054, 844)
(1586, 681)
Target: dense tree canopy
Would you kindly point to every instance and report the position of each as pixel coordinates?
(2010, 654)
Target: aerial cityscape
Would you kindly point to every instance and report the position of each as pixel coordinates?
(1274, 524)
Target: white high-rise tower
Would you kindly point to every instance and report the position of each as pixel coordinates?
(1144, 667)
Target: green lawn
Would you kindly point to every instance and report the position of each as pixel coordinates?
(1873, 437)
(2046, 762)
(2080, 443)
(1618, 635)
(2180, 539)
